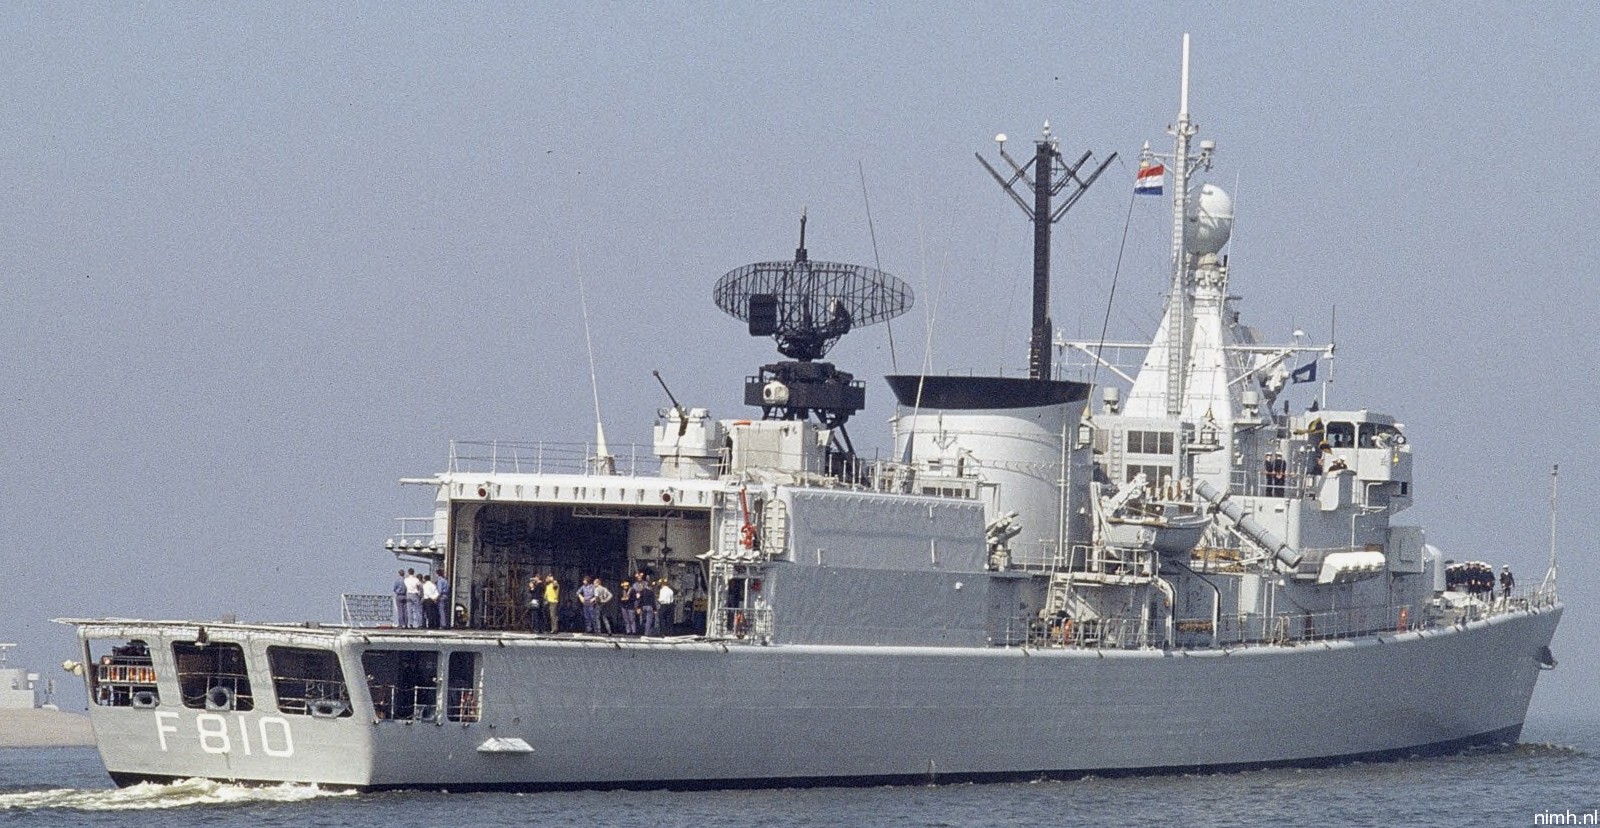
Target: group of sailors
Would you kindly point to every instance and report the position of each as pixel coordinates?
(637, 607)
(641, 606)
(422, 601)
(1275, 469)
(1476, 578)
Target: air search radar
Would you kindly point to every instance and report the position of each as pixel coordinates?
(806, 306)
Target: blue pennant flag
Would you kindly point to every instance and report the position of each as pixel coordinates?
(1305, 373)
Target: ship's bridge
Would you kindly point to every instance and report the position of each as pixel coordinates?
(1372, 445)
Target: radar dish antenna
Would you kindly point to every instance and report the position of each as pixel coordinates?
(807, 306)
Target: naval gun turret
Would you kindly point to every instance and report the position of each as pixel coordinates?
(806, 306)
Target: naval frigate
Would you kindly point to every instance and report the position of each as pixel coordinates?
(1185, 576)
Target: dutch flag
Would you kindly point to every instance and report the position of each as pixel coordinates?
(1149, 180)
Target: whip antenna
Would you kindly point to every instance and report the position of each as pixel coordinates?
(603, 461)
(1550, 572)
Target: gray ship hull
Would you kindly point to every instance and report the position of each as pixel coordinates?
(629, 713)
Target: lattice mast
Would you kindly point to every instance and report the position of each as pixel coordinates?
(1180, 326)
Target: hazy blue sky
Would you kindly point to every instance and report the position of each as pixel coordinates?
(257, 263)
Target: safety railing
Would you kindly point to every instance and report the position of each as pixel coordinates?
(415, 536)
(126, 674)
(1498, 602)
(931, 479)
(1540, 597)
(744, 623)
(513, 457)
(125, 685)
(1255, 629)
(1330, 625)
(1296, 483)
(1096, 633)
(324, 698)
(463, 704)
(401, 703)
(217, 691)
(420, 703)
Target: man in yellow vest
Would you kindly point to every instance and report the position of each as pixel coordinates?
(552, 601)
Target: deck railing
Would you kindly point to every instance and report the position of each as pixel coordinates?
(419, 703)
(1255, 629)
(517, 457)
(415, 703)
(199, 688)
(463, 704)
(311, 697)
(744, 623)
(538, 457)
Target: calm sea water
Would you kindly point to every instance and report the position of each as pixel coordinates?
(1556, 769)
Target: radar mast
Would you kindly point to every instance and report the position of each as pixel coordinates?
(1045, 176)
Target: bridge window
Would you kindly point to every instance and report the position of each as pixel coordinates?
(308, 682)
(124, 677)
(1150, 442)
(1154, 476)
(1341, 435)
(212, 675)
(1377, 435)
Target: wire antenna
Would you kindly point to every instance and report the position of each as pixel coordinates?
(877, 261)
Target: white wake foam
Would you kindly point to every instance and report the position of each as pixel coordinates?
(148, 796)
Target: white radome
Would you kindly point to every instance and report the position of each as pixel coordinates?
(1209, 220)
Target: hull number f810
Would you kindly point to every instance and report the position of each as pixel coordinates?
(272, 737)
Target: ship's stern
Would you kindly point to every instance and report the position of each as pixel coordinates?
(235, 703)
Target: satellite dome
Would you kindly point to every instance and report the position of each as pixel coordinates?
(1208, 220)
